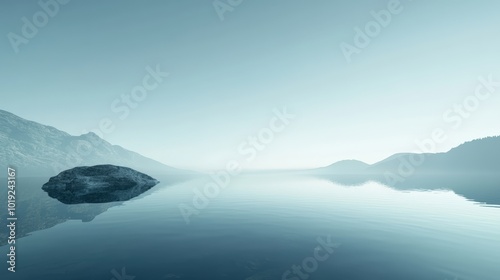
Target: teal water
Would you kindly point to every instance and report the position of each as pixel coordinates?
(259, 227)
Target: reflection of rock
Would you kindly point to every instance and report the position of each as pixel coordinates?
(98, 184)
(36, 211)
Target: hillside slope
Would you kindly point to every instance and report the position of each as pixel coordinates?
(40, 150)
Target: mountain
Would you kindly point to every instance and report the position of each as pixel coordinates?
(479, 157)
(39, 150)
(344, 167)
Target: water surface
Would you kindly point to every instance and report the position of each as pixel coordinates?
(258, 227)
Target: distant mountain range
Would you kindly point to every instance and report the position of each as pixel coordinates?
(40, 150)
(479, 157)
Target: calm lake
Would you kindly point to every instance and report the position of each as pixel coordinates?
(259, 227)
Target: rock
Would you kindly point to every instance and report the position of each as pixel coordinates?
(98, 184)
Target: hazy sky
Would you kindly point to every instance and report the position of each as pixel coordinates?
(227, 76)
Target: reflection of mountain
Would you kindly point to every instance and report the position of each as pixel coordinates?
(35, 210)
(471, 169)
(39, 150)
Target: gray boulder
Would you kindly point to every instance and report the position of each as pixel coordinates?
(98, 184)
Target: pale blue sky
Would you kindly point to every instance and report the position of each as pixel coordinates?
(226, 77)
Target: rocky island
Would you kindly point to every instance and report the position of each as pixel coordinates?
(98, 184)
